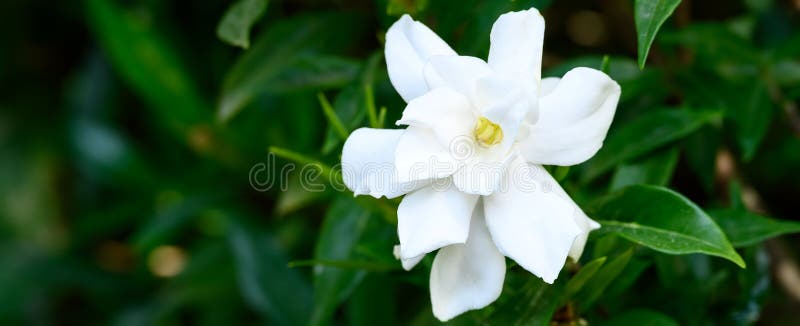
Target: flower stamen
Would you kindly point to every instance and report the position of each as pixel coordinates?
(488, 133)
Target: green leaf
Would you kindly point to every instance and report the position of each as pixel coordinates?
(267, 284)
(289, 56)
(341, 231)
(663, 220)
(717, 45)
(628, 277)
(349, 107)
(313, 71)
(373, 302)
(350, 104)
(605, 64)
(330, 114)
(700, 152)
(746, 229)
(234, 28)
(148, 63)
(644, 134)
(602, 278)
(656, 170)
(642, 317)
(586, 272)
(751, 113)
(649, 16)
(530, 303)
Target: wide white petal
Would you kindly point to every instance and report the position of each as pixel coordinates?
(531, 221)
(368, 164)
(409, 45)
(573, 119)
(433, 217)
(419, 156)
(444, 111)
(467, 276)
(516, 45)
(409, 263)
(587, 225)
(457, 72)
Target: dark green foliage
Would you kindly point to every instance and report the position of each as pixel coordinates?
(137, 186)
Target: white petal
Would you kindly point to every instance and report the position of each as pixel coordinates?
(531, 221)
(516, 45)
(547, 85)
(409, 263)
(587, 225)
(368, 164)
(409, 45)
(573, 119)
(420, 156)
(457, 72)
(468, 276)
(444, 111)
(483, 173)
(506, 102)
(433, 217)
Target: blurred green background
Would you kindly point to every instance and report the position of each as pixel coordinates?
(133, 143)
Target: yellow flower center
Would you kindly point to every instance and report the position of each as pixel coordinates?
(488, 133)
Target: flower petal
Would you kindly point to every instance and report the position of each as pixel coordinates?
(531, 221)
(419, 156)
(482, 173)
(368, 164)
(409, 263)
(516, 45)
(409, 45)
(547, 85)
(587, 225)
(467, 276)
(457, 72)
(444, 111)
(505, 102)
(433, 217)
(573, 119)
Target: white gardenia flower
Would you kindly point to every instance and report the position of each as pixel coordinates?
(469, 161)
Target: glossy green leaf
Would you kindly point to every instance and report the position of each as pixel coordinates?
(642, 317)
(654, 170)
(746, 229)
(663, 220)
(268, 285)
(288, 56)
(649, 16)
(644, 134)
(341, 231)
(234, 28)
